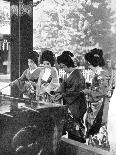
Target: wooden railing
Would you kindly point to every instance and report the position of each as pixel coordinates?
(88, 74)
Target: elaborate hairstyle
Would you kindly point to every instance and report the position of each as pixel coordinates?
(95, 57)
(48, 55)
(33, 56)
(65, 58)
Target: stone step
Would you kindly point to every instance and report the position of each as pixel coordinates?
(71, 147)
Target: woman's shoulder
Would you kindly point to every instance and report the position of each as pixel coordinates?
(39, 68)
(105, 74)
(26, 71)
(103, 77)
(53, 69)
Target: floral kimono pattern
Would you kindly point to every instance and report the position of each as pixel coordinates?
(96, 128)
(47, 82)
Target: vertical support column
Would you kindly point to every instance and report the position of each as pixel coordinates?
(9, 59)
(21, 38)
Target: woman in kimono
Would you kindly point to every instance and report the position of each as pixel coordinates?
(111, 127)
(97, 94)
(48, 80)
(111, 84)
(70, 90)
(27, 82)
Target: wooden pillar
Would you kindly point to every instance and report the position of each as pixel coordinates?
(21, 38)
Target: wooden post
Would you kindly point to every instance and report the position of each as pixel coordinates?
(21, 38)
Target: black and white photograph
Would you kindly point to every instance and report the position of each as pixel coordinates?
(57, 77)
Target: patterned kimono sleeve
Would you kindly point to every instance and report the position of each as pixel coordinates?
(20, 82)
(101, 90)
(77, 82)
(22, 77)
(62, 84)
(54, 84)
(38, 85)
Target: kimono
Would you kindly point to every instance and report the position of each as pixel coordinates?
(96, 127)
(74, 98)
(111, 84)
(111, 126)
(27, 82)
(48, 81)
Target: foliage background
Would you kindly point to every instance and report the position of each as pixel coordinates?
(75, 25)
(4, 18)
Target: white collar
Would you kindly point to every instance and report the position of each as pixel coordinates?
(32, 70)
(69, 73)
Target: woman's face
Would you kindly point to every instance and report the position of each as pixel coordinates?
(31, 64)
(92, 68)
(108, 62)
(64, 67)
(46, 64)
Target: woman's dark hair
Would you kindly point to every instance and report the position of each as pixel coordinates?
(48, 55)
(33, 55)
(65, 58)
(95, 57)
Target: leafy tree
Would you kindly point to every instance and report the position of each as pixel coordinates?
(4, 13)
(75, 25)
(60, 32)
(96, 18)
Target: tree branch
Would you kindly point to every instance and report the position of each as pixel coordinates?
(36, 3)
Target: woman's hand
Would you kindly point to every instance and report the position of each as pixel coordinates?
(58, 97)
(41, 90)
(11, 84)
